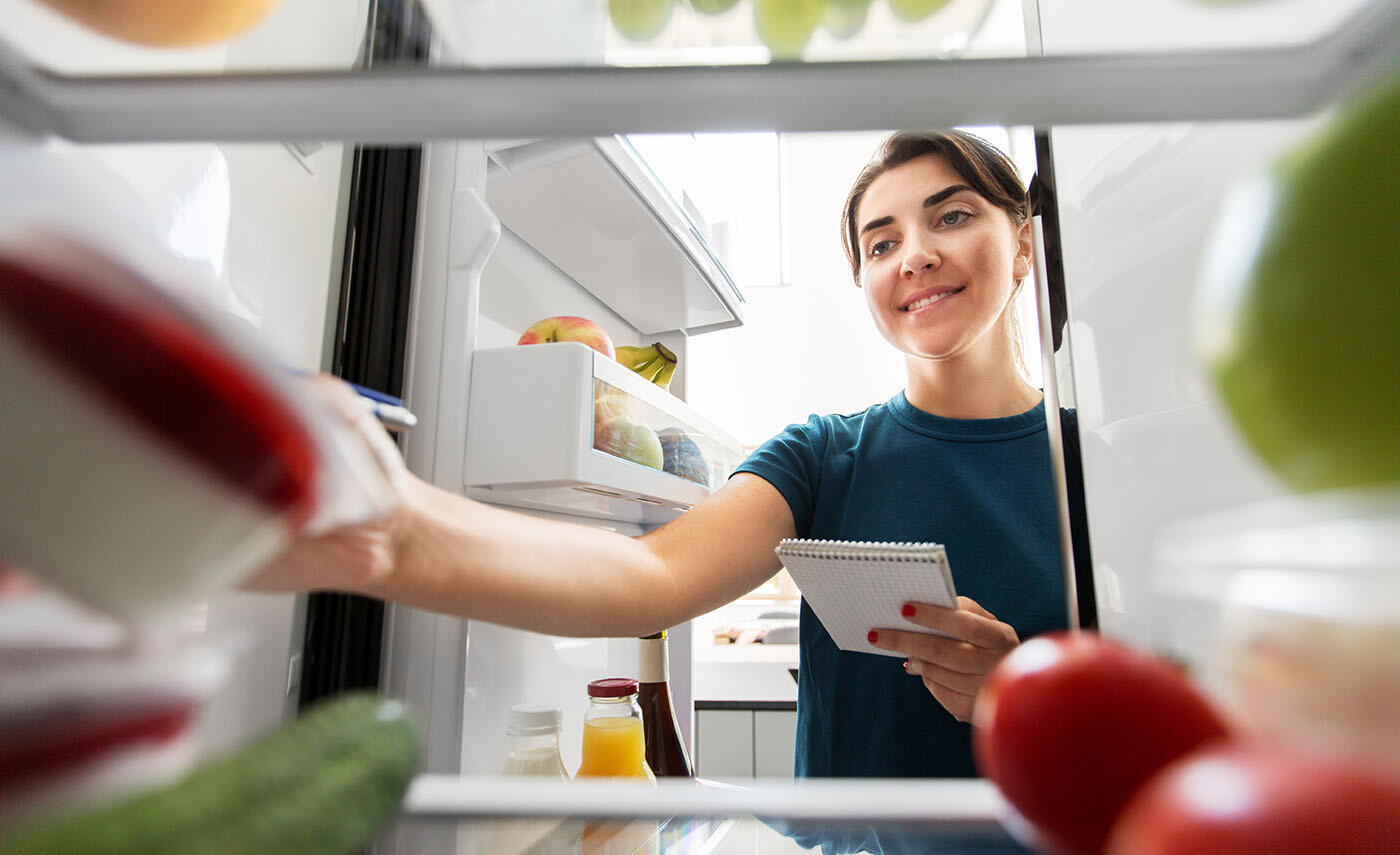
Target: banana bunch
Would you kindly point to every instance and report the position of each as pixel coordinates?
(656, 362)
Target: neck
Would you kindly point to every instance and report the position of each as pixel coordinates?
(966, 387)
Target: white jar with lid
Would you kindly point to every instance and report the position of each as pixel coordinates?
(533, 748)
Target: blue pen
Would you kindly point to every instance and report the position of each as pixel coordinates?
(389, 410)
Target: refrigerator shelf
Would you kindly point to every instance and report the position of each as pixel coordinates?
(1293, 73)
(562, 428)
(595, 210)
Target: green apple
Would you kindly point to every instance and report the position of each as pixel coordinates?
(915, 10)
(785, 26)
(844, 18)
(1300, 303)
(622, 437)
(639, 20)
(713, 7)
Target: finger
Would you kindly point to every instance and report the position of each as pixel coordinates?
(966, 684)
(972, 605)
(959, 705)
(338, 395)
(981, 629)
(951, 653)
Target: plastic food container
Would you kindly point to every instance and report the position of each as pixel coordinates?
(152, 451)
(1288, 612)
(92, 709)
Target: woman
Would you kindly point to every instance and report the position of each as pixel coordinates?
(937, 232)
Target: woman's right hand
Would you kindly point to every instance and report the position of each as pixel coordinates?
(346, 557)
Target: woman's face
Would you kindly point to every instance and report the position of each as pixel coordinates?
(939, 263)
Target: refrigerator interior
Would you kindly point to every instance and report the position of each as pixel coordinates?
(1136, 202)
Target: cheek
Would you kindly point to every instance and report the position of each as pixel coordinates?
(876, 288)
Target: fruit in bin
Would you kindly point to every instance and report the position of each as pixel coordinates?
(713, 7)
(683, 456)
(631, 440)
(639, 20)
(1246, 798)
(785, 26)
(569, 328)
(844, 18)
(1299, 311)
(610, 403)
(1069, 725)
(166, 23)
(656, 362)
(915, 10)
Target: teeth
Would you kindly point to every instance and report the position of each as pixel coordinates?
(929, 301)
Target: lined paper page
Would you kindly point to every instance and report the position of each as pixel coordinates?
(856, 586)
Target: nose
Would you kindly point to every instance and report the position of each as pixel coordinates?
(919, 256)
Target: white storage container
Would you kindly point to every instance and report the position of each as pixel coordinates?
(561, 427)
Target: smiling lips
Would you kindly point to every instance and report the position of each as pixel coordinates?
(928, 299)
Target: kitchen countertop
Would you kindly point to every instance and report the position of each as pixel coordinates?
(741, 673)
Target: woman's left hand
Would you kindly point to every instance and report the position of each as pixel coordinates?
(952, 668)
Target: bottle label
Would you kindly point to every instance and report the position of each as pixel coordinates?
(652, 665)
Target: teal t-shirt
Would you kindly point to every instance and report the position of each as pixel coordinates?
(982, 488)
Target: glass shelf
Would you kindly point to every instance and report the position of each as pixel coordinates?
(584, 817)
(295, 77)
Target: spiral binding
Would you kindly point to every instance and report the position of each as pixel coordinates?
(862, 549)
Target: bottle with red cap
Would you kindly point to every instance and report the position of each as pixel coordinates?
(614, 744)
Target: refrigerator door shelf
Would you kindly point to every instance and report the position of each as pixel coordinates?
(595, 209)
(538, 411)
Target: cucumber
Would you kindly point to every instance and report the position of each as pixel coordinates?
(321, 785)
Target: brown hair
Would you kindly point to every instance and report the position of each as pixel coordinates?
(990, 172)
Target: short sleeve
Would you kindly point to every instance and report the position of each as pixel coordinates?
(792, 462)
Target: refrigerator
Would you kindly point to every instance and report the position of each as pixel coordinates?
(394, 191)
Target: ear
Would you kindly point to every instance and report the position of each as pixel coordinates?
(1025, 253)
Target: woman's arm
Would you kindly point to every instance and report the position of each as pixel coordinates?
(447, 553)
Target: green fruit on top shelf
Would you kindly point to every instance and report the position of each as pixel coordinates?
(1299, 315)
(915, 10)
(844, 18)
(785, 26)
(639, 20)
(712, 7)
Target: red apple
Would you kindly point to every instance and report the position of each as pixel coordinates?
(569, 328)
(1241, 798)
(1070, 725)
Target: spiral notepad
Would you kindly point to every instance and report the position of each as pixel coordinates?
(856, 586)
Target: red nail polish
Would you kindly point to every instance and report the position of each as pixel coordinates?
(906, 664)
(907, 611)
(873, 636)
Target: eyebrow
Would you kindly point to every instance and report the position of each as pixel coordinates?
(928, 203)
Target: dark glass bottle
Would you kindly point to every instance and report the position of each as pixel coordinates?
(666, 752)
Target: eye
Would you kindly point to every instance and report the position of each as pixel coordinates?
(879, 247)
(953, 218)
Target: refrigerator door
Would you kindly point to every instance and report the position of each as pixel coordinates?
(1136, 205)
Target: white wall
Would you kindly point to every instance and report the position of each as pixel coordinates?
(809, 346)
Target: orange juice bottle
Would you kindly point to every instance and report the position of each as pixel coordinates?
(613, 742)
